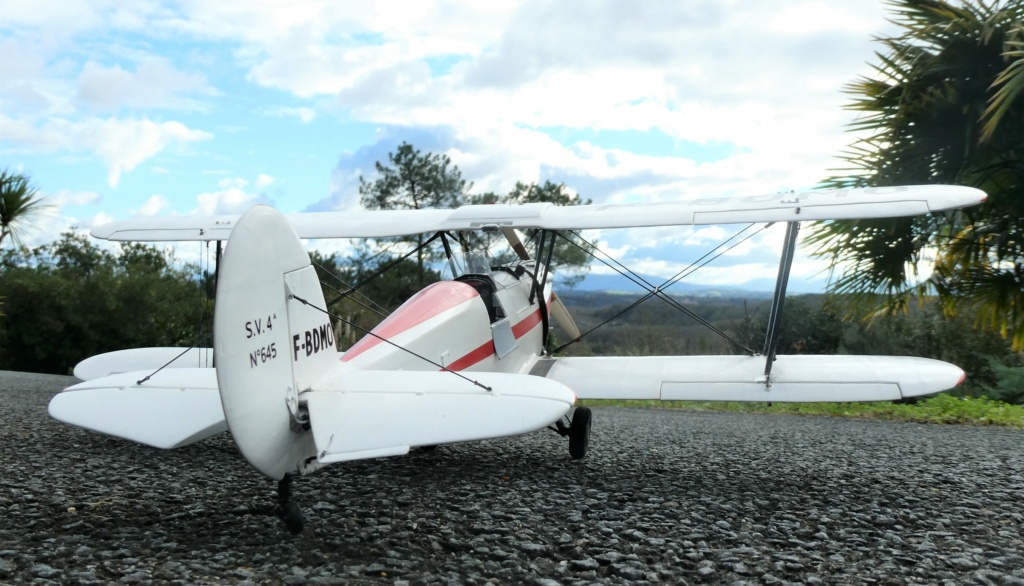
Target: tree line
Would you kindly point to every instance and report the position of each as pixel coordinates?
(71, 299)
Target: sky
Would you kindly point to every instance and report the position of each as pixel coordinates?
(120, 109)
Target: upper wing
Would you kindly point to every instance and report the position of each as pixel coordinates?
(809, 205)
(804, 378)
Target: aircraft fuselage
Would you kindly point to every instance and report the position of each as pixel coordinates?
(475, 323)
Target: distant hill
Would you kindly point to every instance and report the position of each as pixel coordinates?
(755, 289)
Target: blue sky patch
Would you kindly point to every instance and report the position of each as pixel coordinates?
(443, 65)
(653, 143)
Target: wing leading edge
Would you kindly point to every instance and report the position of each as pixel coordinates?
(804, 378)
(804, 206)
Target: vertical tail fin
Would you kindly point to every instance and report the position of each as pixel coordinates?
(272, 341)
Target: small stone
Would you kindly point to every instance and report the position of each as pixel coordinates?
(963, 563)
(533, 548)
(628, 572)
(44, 571)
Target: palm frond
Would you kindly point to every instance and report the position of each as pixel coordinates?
(944, 104)
(20, 205)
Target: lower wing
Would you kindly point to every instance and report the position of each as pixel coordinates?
(120, 361)
(359, 414)
(367, 413)
(802, 378)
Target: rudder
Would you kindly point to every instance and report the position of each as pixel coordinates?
(270, 344)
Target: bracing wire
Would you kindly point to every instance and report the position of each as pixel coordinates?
(387, 341)
(659, 291)
(376, 307)
(380, 272)
(168, 363)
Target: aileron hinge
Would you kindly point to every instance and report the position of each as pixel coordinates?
(768, 380)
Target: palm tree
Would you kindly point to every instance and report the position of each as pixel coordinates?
(20, 205)
(945, 105)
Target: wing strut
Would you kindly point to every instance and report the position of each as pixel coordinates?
(539, 280)
(771, 338)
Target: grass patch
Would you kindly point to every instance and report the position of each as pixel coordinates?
(942, 408)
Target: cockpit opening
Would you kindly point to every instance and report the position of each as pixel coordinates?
(475, 269)
(485, 286)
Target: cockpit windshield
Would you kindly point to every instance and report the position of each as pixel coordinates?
(477, 263)
(465, 263)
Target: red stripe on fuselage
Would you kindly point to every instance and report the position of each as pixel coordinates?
(519, 330)
(486, 350)
(428, 303)
(482, 352)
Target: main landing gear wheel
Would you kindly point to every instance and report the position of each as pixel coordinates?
(290, 512)
(579, 433)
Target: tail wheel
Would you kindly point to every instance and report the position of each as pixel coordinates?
(289, 510)
(579, 433)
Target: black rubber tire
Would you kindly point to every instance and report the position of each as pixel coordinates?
(291, 514)
(579, 433)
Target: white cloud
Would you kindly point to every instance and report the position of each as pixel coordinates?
(232, 183)
(232, 198)
(723, 71)
(342, 247)
(490, 84)
(153, 206)
(305, 115)
(263, 180)
(67, 197)
(122, 144)
(155, 83)
(97, 220)
(64, 18)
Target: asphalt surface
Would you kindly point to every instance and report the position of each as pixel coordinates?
(663, 497)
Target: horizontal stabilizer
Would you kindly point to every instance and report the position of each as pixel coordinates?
(800, 379)
(369, 414)
(882, 202)
(172, 409)
(142, 359)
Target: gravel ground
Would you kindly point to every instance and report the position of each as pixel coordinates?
(664, 496)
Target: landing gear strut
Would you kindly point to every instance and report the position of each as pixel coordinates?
(578, 431)
(290, 512)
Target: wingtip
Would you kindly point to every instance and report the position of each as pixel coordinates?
(953, 197)
(979, 195)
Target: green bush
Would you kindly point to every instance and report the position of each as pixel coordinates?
(70, 300)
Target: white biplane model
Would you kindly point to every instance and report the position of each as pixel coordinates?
(461, 360)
